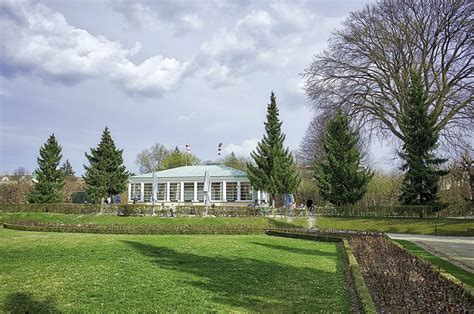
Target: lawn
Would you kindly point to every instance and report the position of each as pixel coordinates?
(458, 227)
(263, 222)
(92, 273)
(462, 275)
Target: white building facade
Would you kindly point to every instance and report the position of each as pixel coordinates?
(184, 186)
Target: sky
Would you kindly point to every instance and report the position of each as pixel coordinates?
(173, 72)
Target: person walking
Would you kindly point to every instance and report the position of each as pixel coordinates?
(309, 204)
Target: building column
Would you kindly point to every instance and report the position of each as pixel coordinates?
(142, 189)
(224, 191)
(129, 192)
(195, 191)
(167, 192)
(258, 196)
(238, 191)
(181, 194)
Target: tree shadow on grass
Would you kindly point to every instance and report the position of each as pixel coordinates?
(253, 285)
(23, 302)
(296, 250)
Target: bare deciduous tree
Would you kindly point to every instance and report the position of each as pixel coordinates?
(366, 68)
(20, 172)
(312, 144)
(150, 160)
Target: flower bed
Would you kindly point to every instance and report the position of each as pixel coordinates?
(398, 282)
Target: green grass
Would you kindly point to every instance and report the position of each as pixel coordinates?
(460, 274)
(92, 273)
(113, 219)
(458, 227)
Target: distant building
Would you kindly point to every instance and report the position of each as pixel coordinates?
(184, 185)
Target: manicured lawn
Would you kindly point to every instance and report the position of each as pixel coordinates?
(113, 219)
(459, 227)
(92, 273)
(462, 275)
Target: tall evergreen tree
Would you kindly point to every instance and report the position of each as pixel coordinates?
(106, 175)
(67, 170)
(50, 178)
(420, 184)
(339, 175)
(274, 169)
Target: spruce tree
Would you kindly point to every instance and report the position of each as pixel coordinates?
(339, 175)
(274, 169)
(67, 170)
(49, 177)
(106, 175)
(420, 184)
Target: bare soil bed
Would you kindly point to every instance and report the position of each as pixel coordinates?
(400, 282)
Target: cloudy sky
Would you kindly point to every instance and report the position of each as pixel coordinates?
(170, 71)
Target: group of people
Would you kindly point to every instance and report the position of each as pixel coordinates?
(291, 204)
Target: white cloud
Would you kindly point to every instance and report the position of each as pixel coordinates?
(295, 85)
(188, 117)
(39, 41)
(175, 15)
(243, 149)
(263, 40)
(218, 75)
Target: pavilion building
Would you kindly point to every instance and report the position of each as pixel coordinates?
(184, 185)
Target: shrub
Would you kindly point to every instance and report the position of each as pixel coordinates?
(134, 229)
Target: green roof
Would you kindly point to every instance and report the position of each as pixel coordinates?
(196, 171)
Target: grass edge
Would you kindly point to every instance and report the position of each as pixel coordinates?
(466, 287)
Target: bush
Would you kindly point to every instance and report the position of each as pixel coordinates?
(134, 229)
(60, 208)
(382, 211)
(79, 197)
(226, 211)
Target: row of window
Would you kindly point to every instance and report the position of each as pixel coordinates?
(175, 191)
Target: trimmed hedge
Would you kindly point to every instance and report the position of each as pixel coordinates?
(226, 211)
(60, 208)
(363, 293)
(133, 229)
(382, 211)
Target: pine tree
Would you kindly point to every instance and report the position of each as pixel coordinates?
(339, 176)
(67, 170)
(274, 169)
(50, 179)
(106, 175)
(420, 184)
